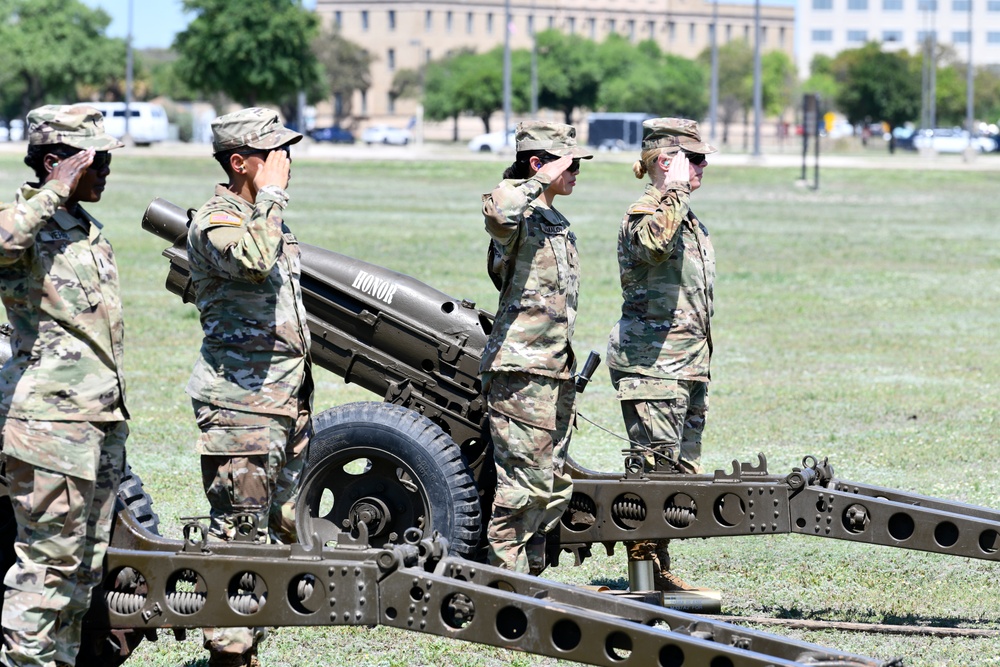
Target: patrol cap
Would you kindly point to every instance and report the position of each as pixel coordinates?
(254, 128)
(679, 133)
(555, 138)
(77, 125)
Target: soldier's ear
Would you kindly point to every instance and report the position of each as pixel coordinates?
(49, 162)
(238, 163)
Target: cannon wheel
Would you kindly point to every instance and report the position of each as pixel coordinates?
(390, 469)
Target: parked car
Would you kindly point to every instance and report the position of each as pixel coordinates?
(334, 134)
(493, 142)
(951, 140)
(147, 123)
(904, 138)
(386, 134)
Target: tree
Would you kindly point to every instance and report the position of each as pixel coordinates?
(50, 47)
(778, 79)
(735, 81)
(253, 52)
(569, 76)
(668, 86)
(877, 85)
(346, 68)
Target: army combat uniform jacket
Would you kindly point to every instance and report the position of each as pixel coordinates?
(667, 275)
(59, 284)
(245, 266)
(536, 257)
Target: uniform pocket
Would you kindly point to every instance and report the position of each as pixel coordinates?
(640, 388)
(524, 399)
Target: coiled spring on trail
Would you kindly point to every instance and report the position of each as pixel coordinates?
(186, 602)
(629, 508)
(678, 517)
(305, 588)
(244, 604)
(124, 603)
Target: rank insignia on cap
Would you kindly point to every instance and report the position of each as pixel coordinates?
(224, 219)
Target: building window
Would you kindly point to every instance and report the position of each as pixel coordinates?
(552, 22)
(993, 37)
(390, 58)
(924, 35)
(592, 27)
(960, 5)
(338, 18)
(447, 21)
(927, 5)
(691, 33)
(960, 37)
(469, 22)
(364, 20)
(892, 36)
(631, 29)
(746, 34)
(781, 36)
(822, 35)
(391, 106)
(993, 6)
(763, 34)
(612, 27)
(428, 20)
(892, 5)
(364, 103)
(392, 19)
(489, 23)
(571, 25)
(531, 24)
(857, 5)
(651, 27)
(671, 31)
(822, 4)
(729, 33)
(856, 36)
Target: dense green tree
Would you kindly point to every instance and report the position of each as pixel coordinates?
(569, 76)
(664, 86)
(253, 52)
(778, 82)
(877, 85)
(49, 49)
(346, 68)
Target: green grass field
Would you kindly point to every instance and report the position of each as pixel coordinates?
(857, 322)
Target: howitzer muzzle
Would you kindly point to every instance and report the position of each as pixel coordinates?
(166, 220)
(589, 366)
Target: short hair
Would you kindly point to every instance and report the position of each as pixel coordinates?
(521, 167)
(35, 158)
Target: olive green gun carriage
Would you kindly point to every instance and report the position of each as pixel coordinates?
(395, 542)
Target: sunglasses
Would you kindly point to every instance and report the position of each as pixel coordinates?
(574, 167)
(695, 158)
(264, 152)
(102, 160)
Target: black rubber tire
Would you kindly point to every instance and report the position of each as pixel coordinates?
(415, 472)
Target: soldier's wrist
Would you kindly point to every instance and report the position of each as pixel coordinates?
(273, 193)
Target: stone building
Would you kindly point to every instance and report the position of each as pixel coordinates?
(407, 34)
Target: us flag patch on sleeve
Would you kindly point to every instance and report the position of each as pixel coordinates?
(224, 219)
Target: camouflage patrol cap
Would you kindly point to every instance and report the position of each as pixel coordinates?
(254, 127)
(77, 125)
(678, 133)
(555, 138)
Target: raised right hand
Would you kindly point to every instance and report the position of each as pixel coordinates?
(69, 170)
(679, 168)
(275, 171)
(556, 167)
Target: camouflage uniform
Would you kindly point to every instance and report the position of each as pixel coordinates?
(251, 386)
(528, 362)
(659, 351)
(62, 400)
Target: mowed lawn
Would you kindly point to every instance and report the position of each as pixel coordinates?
(857, 322)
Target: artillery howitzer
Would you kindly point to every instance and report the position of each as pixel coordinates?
(361, 561)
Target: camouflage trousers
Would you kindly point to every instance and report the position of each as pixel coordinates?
(531, 419)
(63, 528)
(665, 416)
(251, 464)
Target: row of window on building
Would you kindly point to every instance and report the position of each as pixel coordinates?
(902, 5)
(896, 36)
(590, 25)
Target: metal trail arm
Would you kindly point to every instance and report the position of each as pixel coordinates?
(161, 583)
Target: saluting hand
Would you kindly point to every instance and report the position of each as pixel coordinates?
(556, 167)
(679, 169)
(69, 170)
(275, 171)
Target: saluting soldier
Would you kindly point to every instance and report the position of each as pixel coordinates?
(62, 393)
(659, 351)
(528, 363)
(251, 388)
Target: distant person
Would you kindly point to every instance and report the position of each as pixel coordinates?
(660, 350)
(251, 388)
(528, 363)
(62, 392)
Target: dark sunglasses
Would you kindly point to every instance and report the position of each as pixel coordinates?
(695, 158)
(102, 160)
(574, 167)
(264, 152)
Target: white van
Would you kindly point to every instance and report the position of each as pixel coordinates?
(147, 122)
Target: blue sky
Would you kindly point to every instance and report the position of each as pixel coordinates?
(155, 22)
